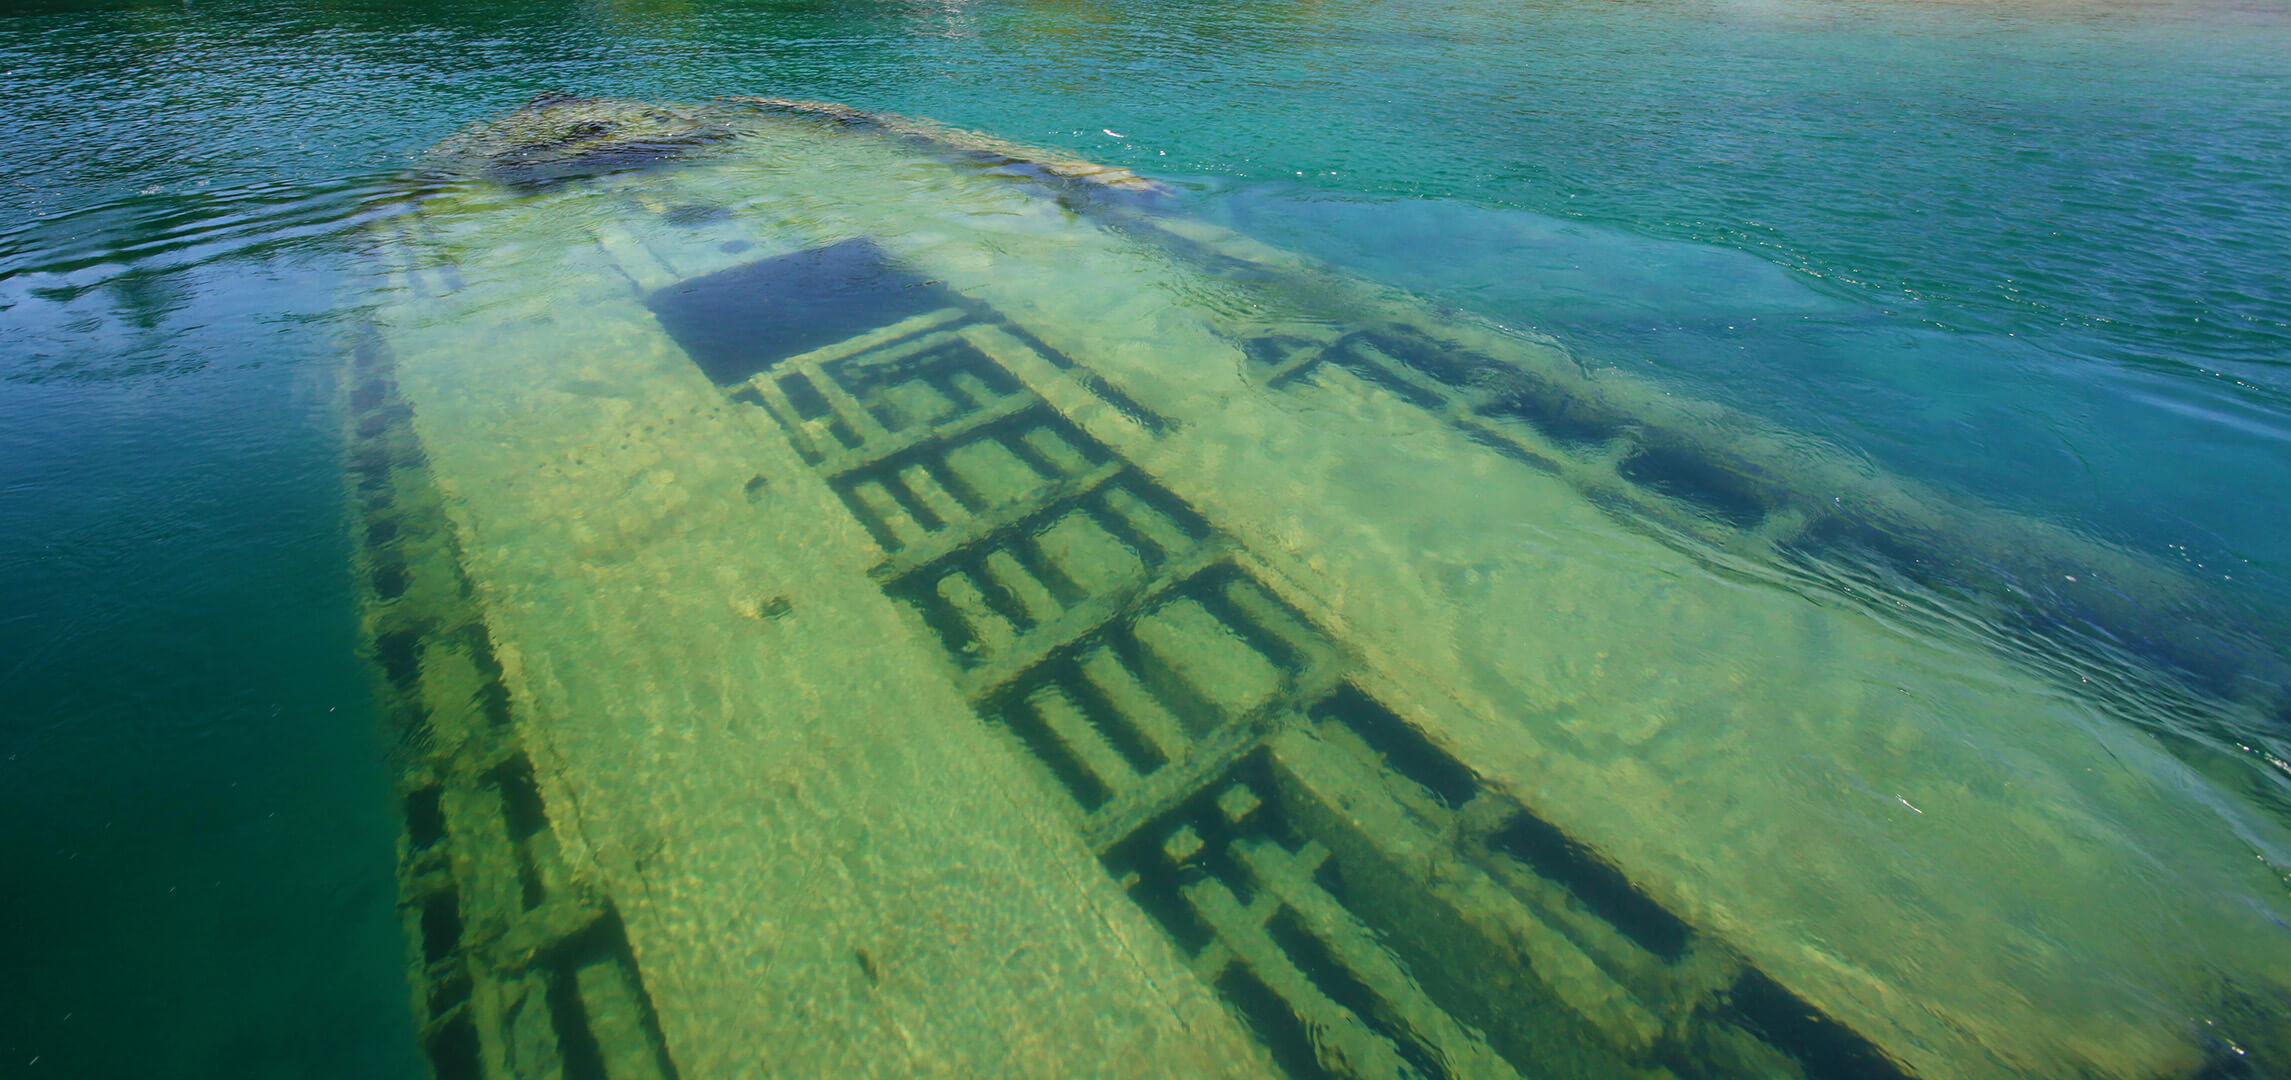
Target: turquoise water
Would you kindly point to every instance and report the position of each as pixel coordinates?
(2029, 255)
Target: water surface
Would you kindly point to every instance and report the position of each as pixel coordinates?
(2024, 256)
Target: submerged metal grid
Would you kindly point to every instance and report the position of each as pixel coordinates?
(1353, 892)
(1653, 473)
(518, 968)
(1504, 407)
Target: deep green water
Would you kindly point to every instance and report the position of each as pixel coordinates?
(2032, 254)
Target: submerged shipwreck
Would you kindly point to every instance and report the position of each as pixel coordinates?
(865, 599)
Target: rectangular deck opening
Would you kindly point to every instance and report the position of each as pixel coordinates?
(737, 322)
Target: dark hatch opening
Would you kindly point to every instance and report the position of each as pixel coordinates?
(737, 322)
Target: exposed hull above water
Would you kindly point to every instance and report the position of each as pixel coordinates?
(870, 600)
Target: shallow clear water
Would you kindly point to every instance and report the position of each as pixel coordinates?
(2025, 259)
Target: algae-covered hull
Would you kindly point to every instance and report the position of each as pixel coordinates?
(864, 599)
